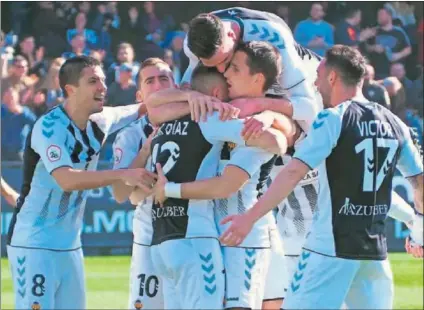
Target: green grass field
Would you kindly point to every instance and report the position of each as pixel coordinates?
(107, 282)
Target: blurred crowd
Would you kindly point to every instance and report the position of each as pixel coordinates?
(37, 37)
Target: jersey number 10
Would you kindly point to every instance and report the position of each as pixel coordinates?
(371, 161)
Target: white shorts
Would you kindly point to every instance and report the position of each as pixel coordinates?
(47, 279)
(245, 272)
(277, 276)
(145, 284)
(323, 282)
(192, 271)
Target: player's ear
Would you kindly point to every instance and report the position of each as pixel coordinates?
(332, 76)
(70, 89)
(260, 79)
(139, 96)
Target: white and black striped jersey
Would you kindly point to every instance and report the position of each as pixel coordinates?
(47, 217)
(127, 144)
(299, 63)
(357, 147)
(295, 213)
(257, 163)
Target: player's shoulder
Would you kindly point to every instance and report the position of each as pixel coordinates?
(53, 122)
(135, 130)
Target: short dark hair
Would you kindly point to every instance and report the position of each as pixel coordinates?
(205, 35)
(262, 57)
(351, 12)
(348, 62)
(202, 75)
(70, 71)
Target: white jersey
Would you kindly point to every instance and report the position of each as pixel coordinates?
(47, 217)
(257, 163)
(299, 63)
(295, 213)
(127, 144)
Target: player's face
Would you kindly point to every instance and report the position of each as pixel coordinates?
(240, 82)
(222, 58)
(155, 78)
(91, 90)
(322, 83)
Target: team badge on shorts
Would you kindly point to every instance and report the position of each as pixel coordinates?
(35, 306)
(138, 304)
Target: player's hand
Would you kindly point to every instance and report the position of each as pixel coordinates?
(146, 146)
(248, 106)
(200, 106)
(226, 111)
(159, 188)
(138, 195)
(415, 250)
(139, 177)
(256, 125)
(239, 228)
(253, 128)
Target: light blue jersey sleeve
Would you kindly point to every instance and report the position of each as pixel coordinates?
(126, 146)
(214, 130)
(51, 147)
(410, 161)
(112, 119)
(248, 158)
(322, 137)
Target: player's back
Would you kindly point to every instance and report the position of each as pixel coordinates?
(185, 156)
(47, 216)
(189, 151)
(356, 181)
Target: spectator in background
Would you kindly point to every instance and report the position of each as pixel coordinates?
(112, 8)
(78, 47)
(18, 80)
(132, 27)
(105, 39)
(99, 16)
(35, 58)
(15, 122)
(283, 11)
(348, 32)
(54, 94)
(123, 92)
(373, 91)
(315, 33)
(6, 54)
(391, 44)
(169, 59)
(397, 70)
(88, 34)
(403, 11)
(39, 102)
(125, 55)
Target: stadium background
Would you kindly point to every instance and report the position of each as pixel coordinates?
(157, 30)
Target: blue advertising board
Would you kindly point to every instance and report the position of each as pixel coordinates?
(108, 227)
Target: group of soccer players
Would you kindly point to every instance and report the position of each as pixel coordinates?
(199, 169)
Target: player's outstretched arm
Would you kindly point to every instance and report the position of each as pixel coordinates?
(280, 188)
(417, 185)
(232, 179)
(75, 180)
(9, 193)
